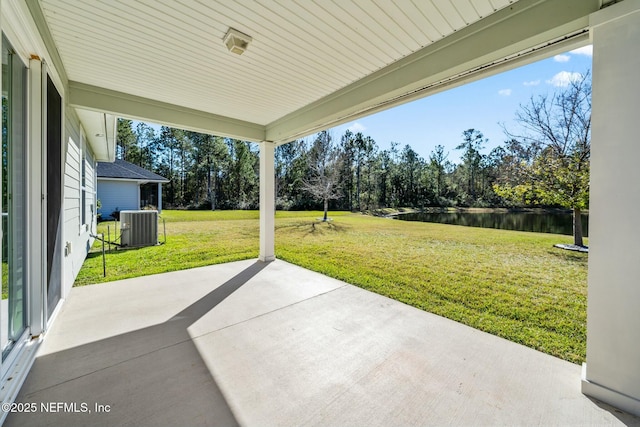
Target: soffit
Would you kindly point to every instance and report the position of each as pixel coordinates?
(171, 51)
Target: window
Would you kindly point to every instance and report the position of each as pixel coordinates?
(83, 186)
(14, 297)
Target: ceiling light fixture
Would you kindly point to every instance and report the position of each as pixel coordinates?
(236, 41)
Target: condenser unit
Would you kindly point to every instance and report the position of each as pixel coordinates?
(139, 228)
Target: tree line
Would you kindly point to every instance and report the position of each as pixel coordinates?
(211, 172)
(545, 162)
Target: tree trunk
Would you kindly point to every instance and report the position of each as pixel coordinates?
(577, 227)
(209, 181)
(171, 187)
(326, 209)
(358, 186)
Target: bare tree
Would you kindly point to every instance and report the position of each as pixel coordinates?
(558, 130)
(322, 183)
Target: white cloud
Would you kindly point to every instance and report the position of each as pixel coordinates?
(561, 58)
(356, 127)
(532, 83)
(563, 78)
(504, 92)
(587, 51)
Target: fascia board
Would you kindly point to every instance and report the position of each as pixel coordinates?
(139, 181)
(135, 107)
(526, 24)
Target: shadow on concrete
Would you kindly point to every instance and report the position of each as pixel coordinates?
(624, 417)
(153, 376)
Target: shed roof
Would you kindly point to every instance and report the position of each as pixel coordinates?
(121, 169)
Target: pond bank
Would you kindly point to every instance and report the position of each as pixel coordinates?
(392, 212)
(555, 221)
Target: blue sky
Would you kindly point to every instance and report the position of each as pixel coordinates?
(482, 105)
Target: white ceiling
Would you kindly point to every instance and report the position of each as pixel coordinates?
(302, 49)
(319, 55)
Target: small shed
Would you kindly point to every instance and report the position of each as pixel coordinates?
(125, 186)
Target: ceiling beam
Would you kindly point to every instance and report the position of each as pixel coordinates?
(95, 98)
(472, 52)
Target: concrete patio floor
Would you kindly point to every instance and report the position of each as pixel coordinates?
(255, 344)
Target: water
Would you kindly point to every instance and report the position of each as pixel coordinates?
(557, 223)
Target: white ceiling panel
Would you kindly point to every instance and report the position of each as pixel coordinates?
(172, 51)
(483, 7)
(311, 64)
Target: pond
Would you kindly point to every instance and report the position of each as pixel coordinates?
(539, 222)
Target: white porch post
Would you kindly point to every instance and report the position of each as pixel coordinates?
(159, 197)
(267, 201)
(612, 371)
(36, 185)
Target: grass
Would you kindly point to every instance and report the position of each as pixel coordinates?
(194, 239)
(5, 280)
(511, 284)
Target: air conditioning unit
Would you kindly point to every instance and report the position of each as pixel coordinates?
(139, 228)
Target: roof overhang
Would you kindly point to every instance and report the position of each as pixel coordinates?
(138, 181)
(101, 130)
(525, 32)
(254, 97)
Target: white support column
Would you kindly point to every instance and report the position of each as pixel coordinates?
(159, 197)
(612, 371)
(36, 168)
(267, 201)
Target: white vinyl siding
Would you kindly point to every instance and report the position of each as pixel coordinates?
(72, 183)
(77, 236)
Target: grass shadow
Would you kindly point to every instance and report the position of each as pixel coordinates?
(322, 227)
(96, 253)
(314, 227)
(116, 250)
(318, 228)
(570, 256)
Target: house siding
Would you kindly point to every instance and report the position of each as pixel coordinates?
(77, 236)
(117, 195)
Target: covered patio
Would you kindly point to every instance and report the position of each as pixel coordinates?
(264, 342)
(254, 343)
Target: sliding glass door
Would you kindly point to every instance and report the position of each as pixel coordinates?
(13, 306)
(54, 197)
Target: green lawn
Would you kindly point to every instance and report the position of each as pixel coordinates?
(5, 280)
(511, 284)
(194, 239)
